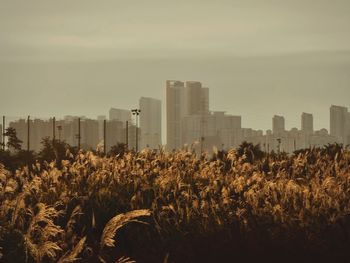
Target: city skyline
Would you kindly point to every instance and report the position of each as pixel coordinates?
(259, 59)
(189, 119)
(127, 112)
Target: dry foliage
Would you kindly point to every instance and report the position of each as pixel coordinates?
(68, 214)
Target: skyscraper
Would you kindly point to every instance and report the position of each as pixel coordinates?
(205, 101)
(150, 123)
(183, 100)
(197, 98)
(278, 125)
(338, 122)
(193, 95)
(176, 109)
(307, 124)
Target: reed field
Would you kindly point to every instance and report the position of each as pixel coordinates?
(178, 207)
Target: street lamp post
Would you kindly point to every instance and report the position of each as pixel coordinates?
(137, 113)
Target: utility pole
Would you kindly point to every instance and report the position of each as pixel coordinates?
(137, 113)
(3, 133)
(79, 137)
(127, 135)
(28, 134)
(53, 129)
(104, 136)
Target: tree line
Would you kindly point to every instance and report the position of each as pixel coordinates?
(15, 157)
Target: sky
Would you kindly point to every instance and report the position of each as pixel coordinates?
(258, 58)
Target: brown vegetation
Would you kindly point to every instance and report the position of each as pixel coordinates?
(271, 206)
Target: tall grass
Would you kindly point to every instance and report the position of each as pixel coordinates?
(74, 213)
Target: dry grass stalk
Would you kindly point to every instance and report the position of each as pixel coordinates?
(117, 222)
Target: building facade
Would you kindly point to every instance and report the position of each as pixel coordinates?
(339, 122)
(278, 125)
(120, 115)
(150, 123)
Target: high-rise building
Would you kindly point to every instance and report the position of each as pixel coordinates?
(307, 123)
(183, 100)
(120, 115)
(278, 124)
(338, 122)
(197, 98)
(150, 123)
(205, 101)
(176, 109)
(193, 95)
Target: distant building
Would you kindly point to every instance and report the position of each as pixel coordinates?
(100, 120)
(115, 133)
(183, 100)
(278, 125)
(176, 109)
(307, 123)
(150, 123)
(39, 129)
(205, 101)
(339, 122)
(197, 98)
(120, 115)
(89, 134)
(205, 131)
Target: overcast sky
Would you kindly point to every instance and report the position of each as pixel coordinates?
(257, 57)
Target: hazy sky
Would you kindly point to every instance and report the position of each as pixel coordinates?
(257, 57)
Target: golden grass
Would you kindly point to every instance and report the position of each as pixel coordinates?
(55, 209)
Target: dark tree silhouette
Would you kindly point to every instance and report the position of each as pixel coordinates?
(12, 140)
(53, 150)
(118, 149)
(252, 152)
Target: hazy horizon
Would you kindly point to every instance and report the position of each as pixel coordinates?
(258, 59)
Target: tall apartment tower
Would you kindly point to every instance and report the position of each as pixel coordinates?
(205, 101)
(278, 124)
(150, 123)
(307, 123)
(197, 98)
(176, 109)
(338, 122)
(183, 99)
